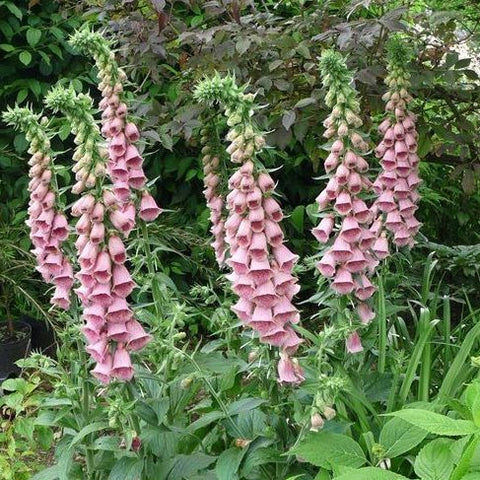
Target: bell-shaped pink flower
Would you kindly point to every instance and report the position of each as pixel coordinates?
(137, 336)
(149, 210)
(289, 371)
(343, 282)
(122, 365)
(116, 249)
(324, 229)
(353, 343)
(103, 369)
(118, 310)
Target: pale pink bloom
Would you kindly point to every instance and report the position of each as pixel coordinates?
(239, 261)
(272, 209)
(332, 188)
(343, 203)
(99, 350)
(256, 218)
(274, 233)
(149, 210)
(122, 365)
(119, 310)
(337, 147)
(254, 199)
(103, 369)
(386, 202)
(61, 297)
(122, 281)
(117, 331)
(121, 221)
(94, 315)
(258, 246)
(364, 288)
(360, 211)
(324, 229)
(117, 249)
(265, 182)
(393, 221)
(260, 271)
(97, 233)
(353, 343)
(83, 205)
(60, 227)
(401, 150)
(137, 336)
(322, 200)
(88, 256)
(350, 231)
(102, 271)
(136, 178)
(64, 278)
(341, 176)
(265, 295)
(244, 233)
(326, 265)
(284, 311)
(131, 132)
(330, 162)
(243, 309)
(53, 263)
(101, 294)
(285, 258)
(289, 371)
(243, 286)
(365, 313)
(341, 250)
(343, 282)
(84, 224)
(118, 145)
(357, 262)
(132, 157)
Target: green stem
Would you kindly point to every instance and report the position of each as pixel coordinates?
(382, 326)
(156, 292)
(447, 327)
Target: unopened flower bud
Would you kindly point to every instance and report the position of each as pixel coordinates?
(316, 422)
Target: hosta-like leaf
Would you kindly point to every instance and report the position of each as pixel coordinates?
(435, 460)
(398, 436)
(436, 423)
(325, 449)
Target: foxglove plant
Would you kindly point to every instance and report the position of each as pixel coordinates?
(47, 222)
(213, 193)
(110, 328)
(352, 248)
(124, 164)
(261, 264)
(398, 181)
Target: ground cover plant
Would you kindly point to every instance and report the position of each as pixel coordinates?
(313, 312)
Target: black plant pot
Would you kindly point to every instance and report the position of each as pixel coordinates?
(10, 352)
(43, 336)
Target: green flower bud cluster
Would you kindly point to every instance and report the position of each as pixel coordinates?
(32, 124)
(341, 97)
(90, 159)
(97, 46)
(239, 108)
(398, 78)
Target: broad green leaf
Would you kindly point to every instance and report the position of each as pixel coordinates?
(25, 57)
(7, 47)
(244, 405)
(14, 9)
(87, 430)
(242, 45)
(205, 420)
(187, 465)
(398, 436)
(370, 473)
(22, 95)
(472, 400)
(127, 468)
(304, 102)
(435, 460)
(228, 463)
(51, 473)
(436, 423)
(24, 426)
(288, 119)
(325, 449)
(297, 218)
(33, 36)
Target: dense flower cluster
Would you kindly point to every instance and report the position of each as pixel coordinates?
(124, 164)
(398, 181)
(261, 263)
(346, 225)
(213, 195)
(48, 225)
(105, 283)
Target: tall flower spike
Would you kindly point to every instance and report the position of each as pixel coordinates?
(47, 222)
(109, 327)
(125, 162)
(399, 178)
(212, 152)
(261, 263)
(345, 226)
